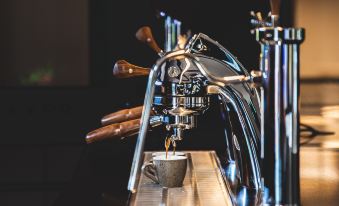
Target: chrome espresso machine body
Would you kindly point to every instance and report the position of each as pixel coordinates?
(260, 109)
(263, 138)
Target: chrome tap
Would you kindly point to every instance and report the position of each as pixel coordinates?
(280, 92)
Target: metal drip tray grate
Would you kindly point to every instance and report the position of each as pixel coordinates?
(203, 185)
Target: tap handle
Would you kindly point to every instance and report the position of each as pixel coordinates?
(123, 69)
(144, 34)
(122, 116)
(275, 7)
(113, 131)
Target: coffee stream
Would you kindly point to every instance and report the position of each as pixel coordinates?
(168, 142)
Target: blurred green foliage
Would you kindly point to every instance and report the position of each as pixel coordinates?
(42, 76)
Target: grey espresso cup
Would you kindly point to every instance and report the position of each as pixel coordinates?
(168, 172)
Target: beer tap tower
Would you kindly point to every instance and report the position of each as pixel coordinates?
(280, 106)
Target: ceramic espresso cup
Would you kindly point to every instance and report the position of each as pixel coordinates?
(170, 153)
(168, 172)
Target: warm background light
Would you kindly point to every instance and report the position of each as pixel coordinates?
(320, 51)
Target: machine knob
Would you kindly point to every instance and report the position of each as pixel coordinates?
(144, 34)
(123, 69)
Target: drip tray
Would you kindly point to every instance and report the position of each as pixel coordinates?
(203, 184)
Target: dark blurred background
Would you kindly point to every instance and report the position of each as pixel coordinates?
(56, 83)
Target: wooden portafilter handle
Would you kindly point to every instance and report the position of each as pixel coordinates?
(114, 131)
(144, 34)
(275, 7)
(123, 69)
(122, 116)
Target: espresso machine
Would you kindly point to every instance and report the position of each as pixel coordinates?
(260, 111)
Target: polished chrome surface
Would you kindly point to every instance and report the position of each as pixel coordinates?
(235, 95)
(173, 32)
(155, 121)
(247, 147)
(280, 112)
(203, 185)
(230, 81)
(194, 103)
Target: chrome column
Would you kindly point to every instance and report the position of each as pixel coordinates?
(173, 31)
(280, 113)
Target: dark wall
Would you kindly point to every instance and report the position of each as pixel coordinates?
(44, 37)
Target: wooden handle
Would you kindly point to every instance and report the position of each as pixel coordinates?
(275, 7)
(113, 131)
(123, 69)
(122, 116)
(144, 34)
